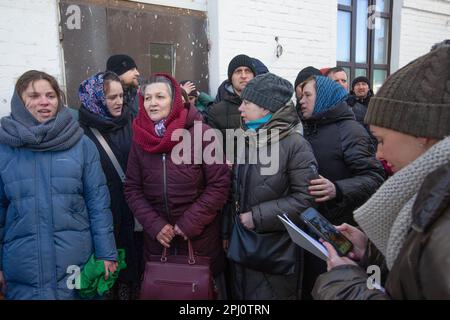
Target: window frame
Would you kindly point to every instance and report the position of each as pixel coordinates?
(369, 66)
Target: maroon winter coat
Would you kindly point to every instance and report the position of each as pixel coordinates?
(195, 194)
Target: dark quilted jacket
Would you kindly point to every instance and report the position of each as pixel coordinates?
(285, 191)
(346, 157)
(195, 194)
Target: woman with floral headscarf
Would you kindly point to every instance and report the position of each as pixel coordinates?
(102, 108)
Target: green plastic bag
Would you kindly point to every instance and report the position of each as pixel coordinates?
(92, 278)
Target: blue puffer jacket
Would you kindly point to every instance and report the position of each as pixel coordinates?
(54, 213)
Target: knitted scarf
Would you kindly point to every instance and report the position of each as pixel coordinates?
(21, 129)
(386, 217)
(255, 124)
(144, 128)
(329, 94)
(92, 96)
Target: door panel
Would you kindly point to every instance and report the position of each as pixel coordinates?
(112, 27)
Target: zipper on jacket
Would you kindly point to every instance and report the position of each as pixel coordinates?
(38, 233)
(166, 202)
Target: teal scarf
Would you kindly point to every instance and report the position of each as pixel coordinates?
(255, 124)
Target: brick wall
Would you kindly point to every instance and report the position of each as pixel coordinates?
(423, 23)
(306, 30)
(28, 40)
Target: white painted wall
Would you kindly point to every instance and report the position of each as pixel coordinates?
(423, 23)
(306, 29)
(28, 40)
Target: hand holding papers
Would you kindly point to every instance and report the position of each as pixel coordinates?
(304, 240)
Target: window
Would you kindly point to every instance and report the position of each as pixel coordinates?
(363, 39)
(162, 58)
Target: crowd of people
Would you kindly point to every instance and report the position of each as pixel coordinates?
(375, 165)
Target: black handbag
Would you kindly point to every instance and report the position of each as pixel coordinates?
(272, 253)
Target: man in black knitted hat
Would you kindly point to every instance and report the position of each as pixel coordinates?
(225, 114)
(361, 90)
(125, 67)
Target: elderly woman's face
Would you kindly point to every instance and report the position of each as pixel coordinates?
(397, 148)
(308, 100)
(250, 111)
(41, 100)
(157, 101)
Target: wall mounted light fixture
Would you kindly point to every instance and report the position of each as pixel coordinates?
(279, 48)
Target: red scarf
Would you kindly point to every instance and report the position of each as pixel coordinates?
(144, 128)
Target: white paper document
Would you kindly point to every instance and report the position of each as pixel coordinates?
(304, 240)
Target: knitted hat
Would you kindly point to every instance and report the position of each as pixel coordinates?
(260, 67)
(328, 94)
(416, 99)
(360, 79)
(241, 60)
(120, 63)
(268, 91)
(305, 73)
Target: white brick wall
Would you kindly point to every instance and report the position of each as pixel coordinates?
(423, 23)
(28, 40)
(306, 29)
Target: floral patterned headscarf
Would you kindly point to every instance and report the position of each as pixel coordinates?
(92, 96)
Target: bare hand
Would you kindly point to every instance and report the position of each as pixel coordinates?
(334, 259)
(178, 232)
(323, 189)
(357, 237)
(166, 235)
(247, 220)
(226, 245)
(2, 282)
(110, 266)
(188, 87)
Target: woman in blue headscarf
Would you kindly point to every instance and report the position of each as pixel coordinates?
(349, 172)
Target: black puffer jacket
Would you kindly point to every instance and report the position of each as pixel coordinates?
(421, 268)
(346, 157)
(118, 134)
(360, 111)
(225, 115)
(131, 99)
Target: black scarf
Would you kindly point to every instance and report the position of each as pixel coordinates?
(90, 119)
